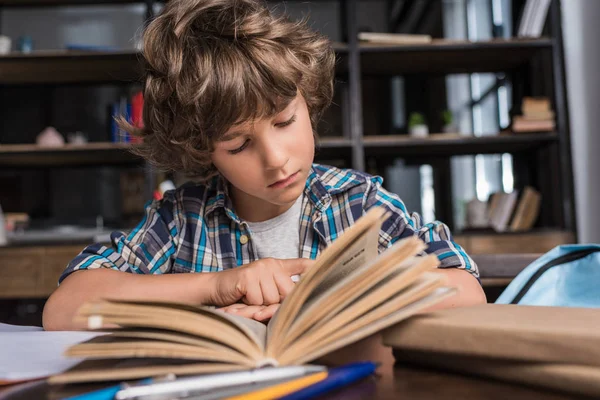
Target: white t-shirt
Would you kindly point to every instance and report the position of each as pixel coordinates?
(278, 237)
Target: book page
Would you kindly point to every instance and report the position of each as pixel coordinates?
(111, 346)
(332, 258)
(394, 260)
(358, 254)
(128, 369)
(389, 287)
(255, 330)
(242, 334)
(420, 296)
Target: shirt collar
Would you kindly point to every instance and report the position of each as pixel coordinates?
(316, 192)
(218, 198)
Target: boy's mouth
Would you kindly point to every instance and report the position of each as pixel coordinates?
(285, 181)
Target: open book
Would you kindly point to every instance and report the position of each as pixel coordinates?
(350, 293)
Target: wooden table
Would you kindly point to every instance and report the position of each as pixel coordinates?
(391, 382)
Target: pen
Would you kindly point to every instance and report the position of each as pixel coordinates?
(234, 390)
(104, 394)
(338, 377)
(276, 391)
(185, 386)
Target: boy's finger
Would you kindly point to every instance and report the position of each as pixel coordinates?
(266, 313)
(296, 266)
(284, 285)
(246, 311)
(270, 291)
(232, 307)
(253, 294)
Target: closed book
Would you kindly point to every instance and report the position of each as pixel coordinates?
(521, 124)
(535, 104)
(394, 38)
(553, 347)
(527, 211)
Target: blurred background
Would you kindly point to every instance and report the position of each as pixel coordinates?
(478, 113)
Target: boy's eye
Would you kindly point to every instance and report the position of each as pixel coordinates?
(239, 149)
(286, 123)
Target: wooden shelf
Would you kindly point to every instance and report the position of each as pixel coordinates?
(52, 3)
(31, 155)
(105, 153)
(332, 142)
(329, 148)
(437, 145)
(534, 242)
(51, 67)
(503, 266)
(445, 56)
(33, 271)
(448, 144)
(57, 66)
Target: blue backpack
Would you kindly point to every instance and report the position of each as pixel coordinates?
(566, 276)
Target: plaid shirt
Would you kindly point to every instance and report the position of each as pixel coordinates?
(195, 229)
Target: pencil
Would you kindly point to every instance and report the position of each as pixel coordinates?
(282, 389)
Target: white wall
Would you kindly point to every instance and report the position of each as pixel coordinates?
(581, 32)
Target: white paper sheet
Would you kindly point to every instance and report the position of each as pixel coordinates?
(18, 328)
(30, 353)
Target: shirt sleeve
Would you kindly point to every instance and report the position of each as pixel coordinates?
(401, 224)
(148, 249)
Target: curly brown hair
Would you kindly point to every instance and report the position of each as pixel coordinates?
(213, 64)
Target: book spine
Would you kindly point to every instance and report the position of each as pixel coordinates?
(114, 128)
(137, 107)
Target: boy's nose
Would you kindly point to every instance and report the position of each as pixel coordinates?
(274, 156)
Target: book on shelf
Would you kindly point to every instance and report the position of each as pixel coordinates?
(521, 124)
(515, 211)
(394, 38)
(533, 18)
(350, 293)
(130, 108)
(527, 210)
(501, 210)
(535, 105)
(537, 116)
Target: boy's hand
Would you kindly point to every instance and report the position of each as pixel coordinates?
(258, 313)
(262, 282)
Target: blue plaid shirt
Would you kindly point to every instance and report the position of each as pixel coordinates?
(195, 229)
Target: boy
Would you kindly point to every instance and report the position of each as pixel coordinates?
(232, 94)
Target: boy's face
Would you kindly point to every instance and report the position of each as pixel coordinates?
(267, 161)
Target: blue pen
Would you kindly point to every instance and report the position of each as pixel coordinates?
(337, 378)
(108, 393)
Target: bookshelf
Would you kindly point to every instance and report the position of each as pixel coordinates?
(542, 159)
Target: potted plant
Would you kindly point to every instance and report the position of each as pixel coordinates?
(417, 126)
(448, 120)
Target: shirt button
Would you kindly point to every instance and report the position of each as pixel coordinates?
(243, 239)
